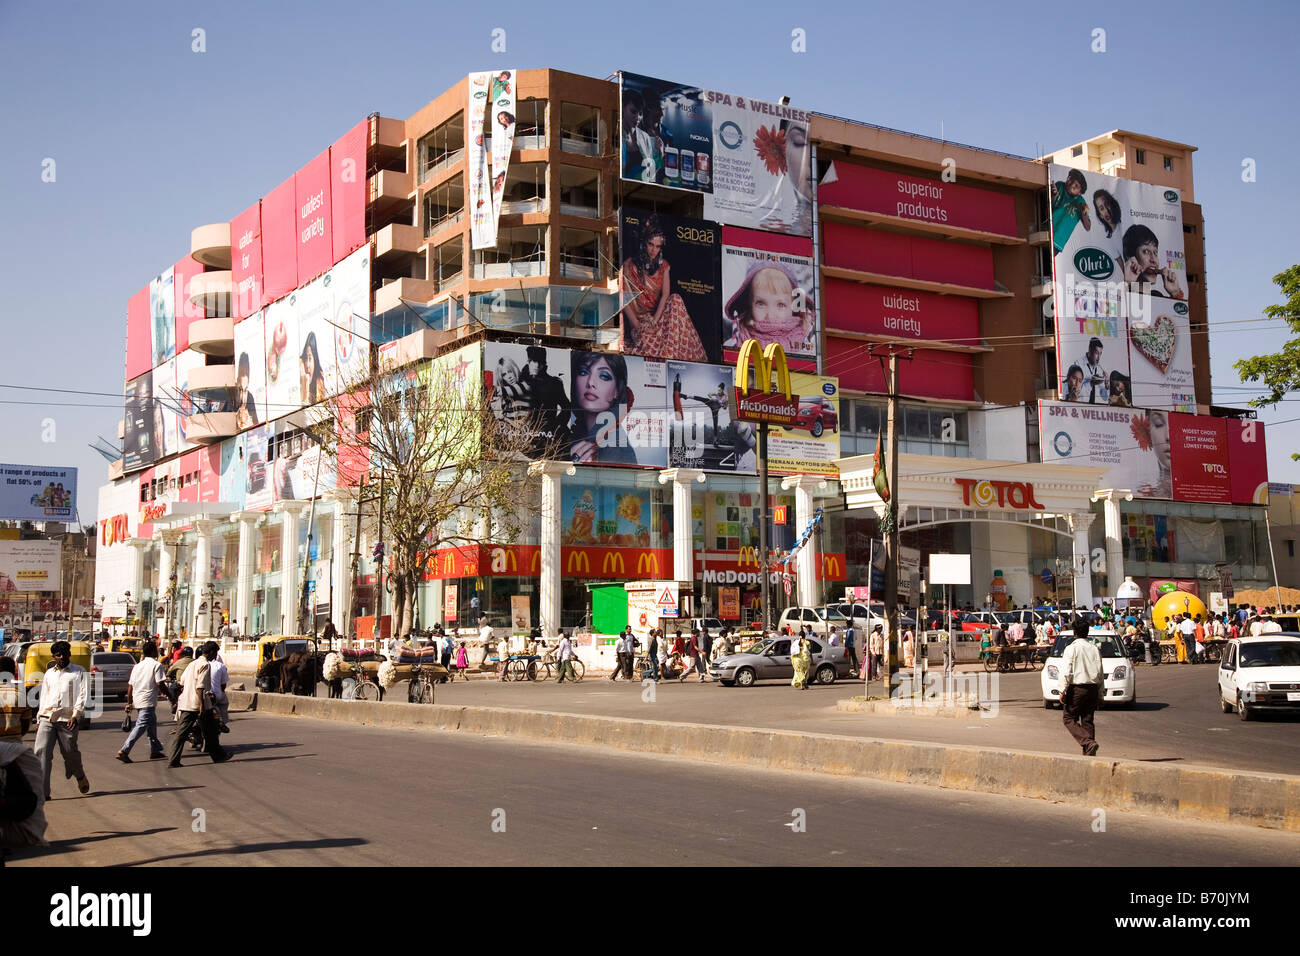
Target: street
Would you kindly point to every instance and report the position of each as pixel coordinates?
(318, 793)
(1177, 718)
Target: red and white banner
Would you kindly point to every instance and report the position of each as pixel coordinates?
(185, 270)
(1200, 458)
(921, 200)
(311, 187)
(901, 313)
(348, 171)
(139, 335)
(909, 257)
(279, 242)
(1247, 462)
(246, 262)
(501, 120)
(482, 221)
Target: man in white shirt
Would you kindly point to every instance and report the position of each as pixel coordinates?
(620, 652)
(1270, 626)
(1082, 678)
(220, 678)
(564, 654)
(63, 703)
(195, 706)
(147, 677)
(1187, 627)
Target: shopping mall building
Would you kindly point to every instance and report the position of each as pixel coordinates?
(511, 243)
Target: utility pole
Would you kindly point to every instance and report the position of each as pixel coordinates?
(764, 584)
(891, 509)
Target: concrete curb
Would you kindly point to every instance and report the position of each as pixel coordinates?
(1199, 793)
(905, 707)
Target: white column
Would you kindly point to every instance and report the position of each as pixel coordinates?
(341, 550)
(167, 541)
(248, 521)
(138, 547)
(289, 579)
(1080, 522)
(1110, 499)
(683, 540)
(805, 506)
(203, 529)
(549, 585)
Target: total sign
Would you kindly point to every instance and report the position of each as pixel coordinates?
(1001, 494)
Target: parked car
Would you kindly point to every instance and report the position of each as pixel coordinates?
(116, 668)
(820, 619)
(865, 618)
(1258, 674)
(710, 624)
(770, 660)
(1118, 683)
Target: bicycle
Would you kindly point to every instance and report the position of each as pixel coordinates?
(361, 687)
(419, 690)
(578, 672)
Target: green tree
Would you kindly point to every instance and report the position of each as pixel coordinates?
(1280, 372)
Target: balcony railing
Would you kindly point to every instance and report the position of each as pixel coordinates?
(439, 163)
(584, 212)
(585, 311)
(514, 269)
(571, 141)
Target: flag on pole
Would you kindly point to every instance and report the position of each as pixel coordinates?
(879, 477)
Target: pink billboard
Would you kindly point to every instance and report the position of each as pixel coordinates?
(311, 186)
(1249, 468)
(1199, 458)
(139, 335)
(348, 190)
(246, 262)
(930, 374)
(912, 257)
(279, 242)
(921, 200)
(901, 313)
(185, 270)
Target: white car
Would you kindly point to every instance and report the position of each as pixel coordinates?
(1260, 673)
(1117, 669)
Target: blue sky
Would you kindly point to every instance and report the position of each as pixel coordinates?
(151, 139)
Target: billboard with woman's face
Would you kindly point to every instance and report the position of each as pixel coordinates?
(669, 285)
(249, 401)
(769, 294)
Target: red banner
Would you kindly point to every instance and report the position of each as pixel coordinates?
(210, 474)
(921, 200)
(930, 374)
(184, 271)
(191, 475)
(1248, 463)
(911, 257)
(279, 242)
(1200, 458)
(246, 262)
(348, 190)
(311, 187)
(139, 335)
(901, 313)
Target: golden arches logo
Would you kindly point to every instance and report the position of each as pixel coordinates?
(647, 561)
(613, 561)
(580, 561)
(448, 563)
(512, 563)
(765, 362)
(831, 567)
(747, 555)
(536, 564)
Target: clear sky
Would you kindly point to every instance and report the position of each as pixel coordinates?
(151, 139)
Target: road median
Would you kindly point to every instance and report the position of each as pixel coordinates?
(1201, 793)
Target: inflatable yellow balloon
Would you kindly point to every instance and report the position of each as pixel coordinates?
(1175, 603)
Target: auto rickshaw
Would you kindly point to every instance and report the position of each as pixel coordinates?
(36, 661)
(127, 645)
(278, 647)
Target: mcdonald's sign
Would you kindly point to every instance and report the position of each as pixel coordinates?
(579, 561)
(774, 405)
(613, 562)
(747, 556)
(449, 564)
(536, 565)
(832, 567)
(647, 563)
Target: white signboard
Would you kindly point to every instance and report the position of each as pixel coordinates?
(29, 566)
(950, 569)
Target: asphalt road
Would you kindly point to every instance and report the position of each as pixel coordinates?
(317, 793)
(1176, 720)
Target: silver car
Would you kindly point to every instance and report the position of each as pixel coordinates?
(115, 668)
(770, 660)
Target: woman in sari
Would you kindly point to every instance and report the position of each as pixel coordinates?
(655, 321)
(801, 657)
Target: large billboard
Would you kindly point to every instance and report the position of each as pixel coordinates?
(810, 446)
(752, 160)
(257, 469)
(142, 425)
(490, 110)
(186, 363)
(249, 404)
(702, 432)
(311, 187)
(1120, 280)
(283, 364)
(162, 310)
(246, 263)
(38, 493)
(30, 565)
(348, 287)
(669, 286)
(167, 400)
(1200, 458)
(769, 294)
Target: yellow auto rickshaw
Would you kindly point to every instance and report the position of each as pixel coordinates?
(36, 660)
(127, 645)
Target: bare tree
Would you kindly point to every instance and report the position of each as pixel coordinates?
(453, 473)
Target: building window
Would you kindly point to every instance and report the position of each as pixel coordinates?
(579, 254)
(448, 262)
(1076, 150)
(525, 189)
(520, 251)
(579, 129)
(443, 147)
(1140, 157)
(1190, 230)
(1193, 277)
(1169, 163)
(580, 192)
(530, 124)
(444, 205)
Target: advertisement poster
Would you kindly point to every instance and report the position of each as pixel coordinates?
(233, 471)
(762, 165)
(246, 263)
(666, 133)
(1133, 444)
(142, 425)
(30, 565)
(668, 280)
(584, 407)
(250, 371)
(315, 366)
(38, 493)
(282, 364)
(483, 231)
(348, 284)
(187, 404)
(1200, 459)
(451, 602)
(300, 471)
(162, 309)
(1160, 352)
(611, 517)
(812, 445)
(501, 119)
(769, 294)
(701, 431)
(257, 476)
(729, 604)
(521, 615)
(167, 401)
(919, 199)
(1248, 459)
(1117, 245)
